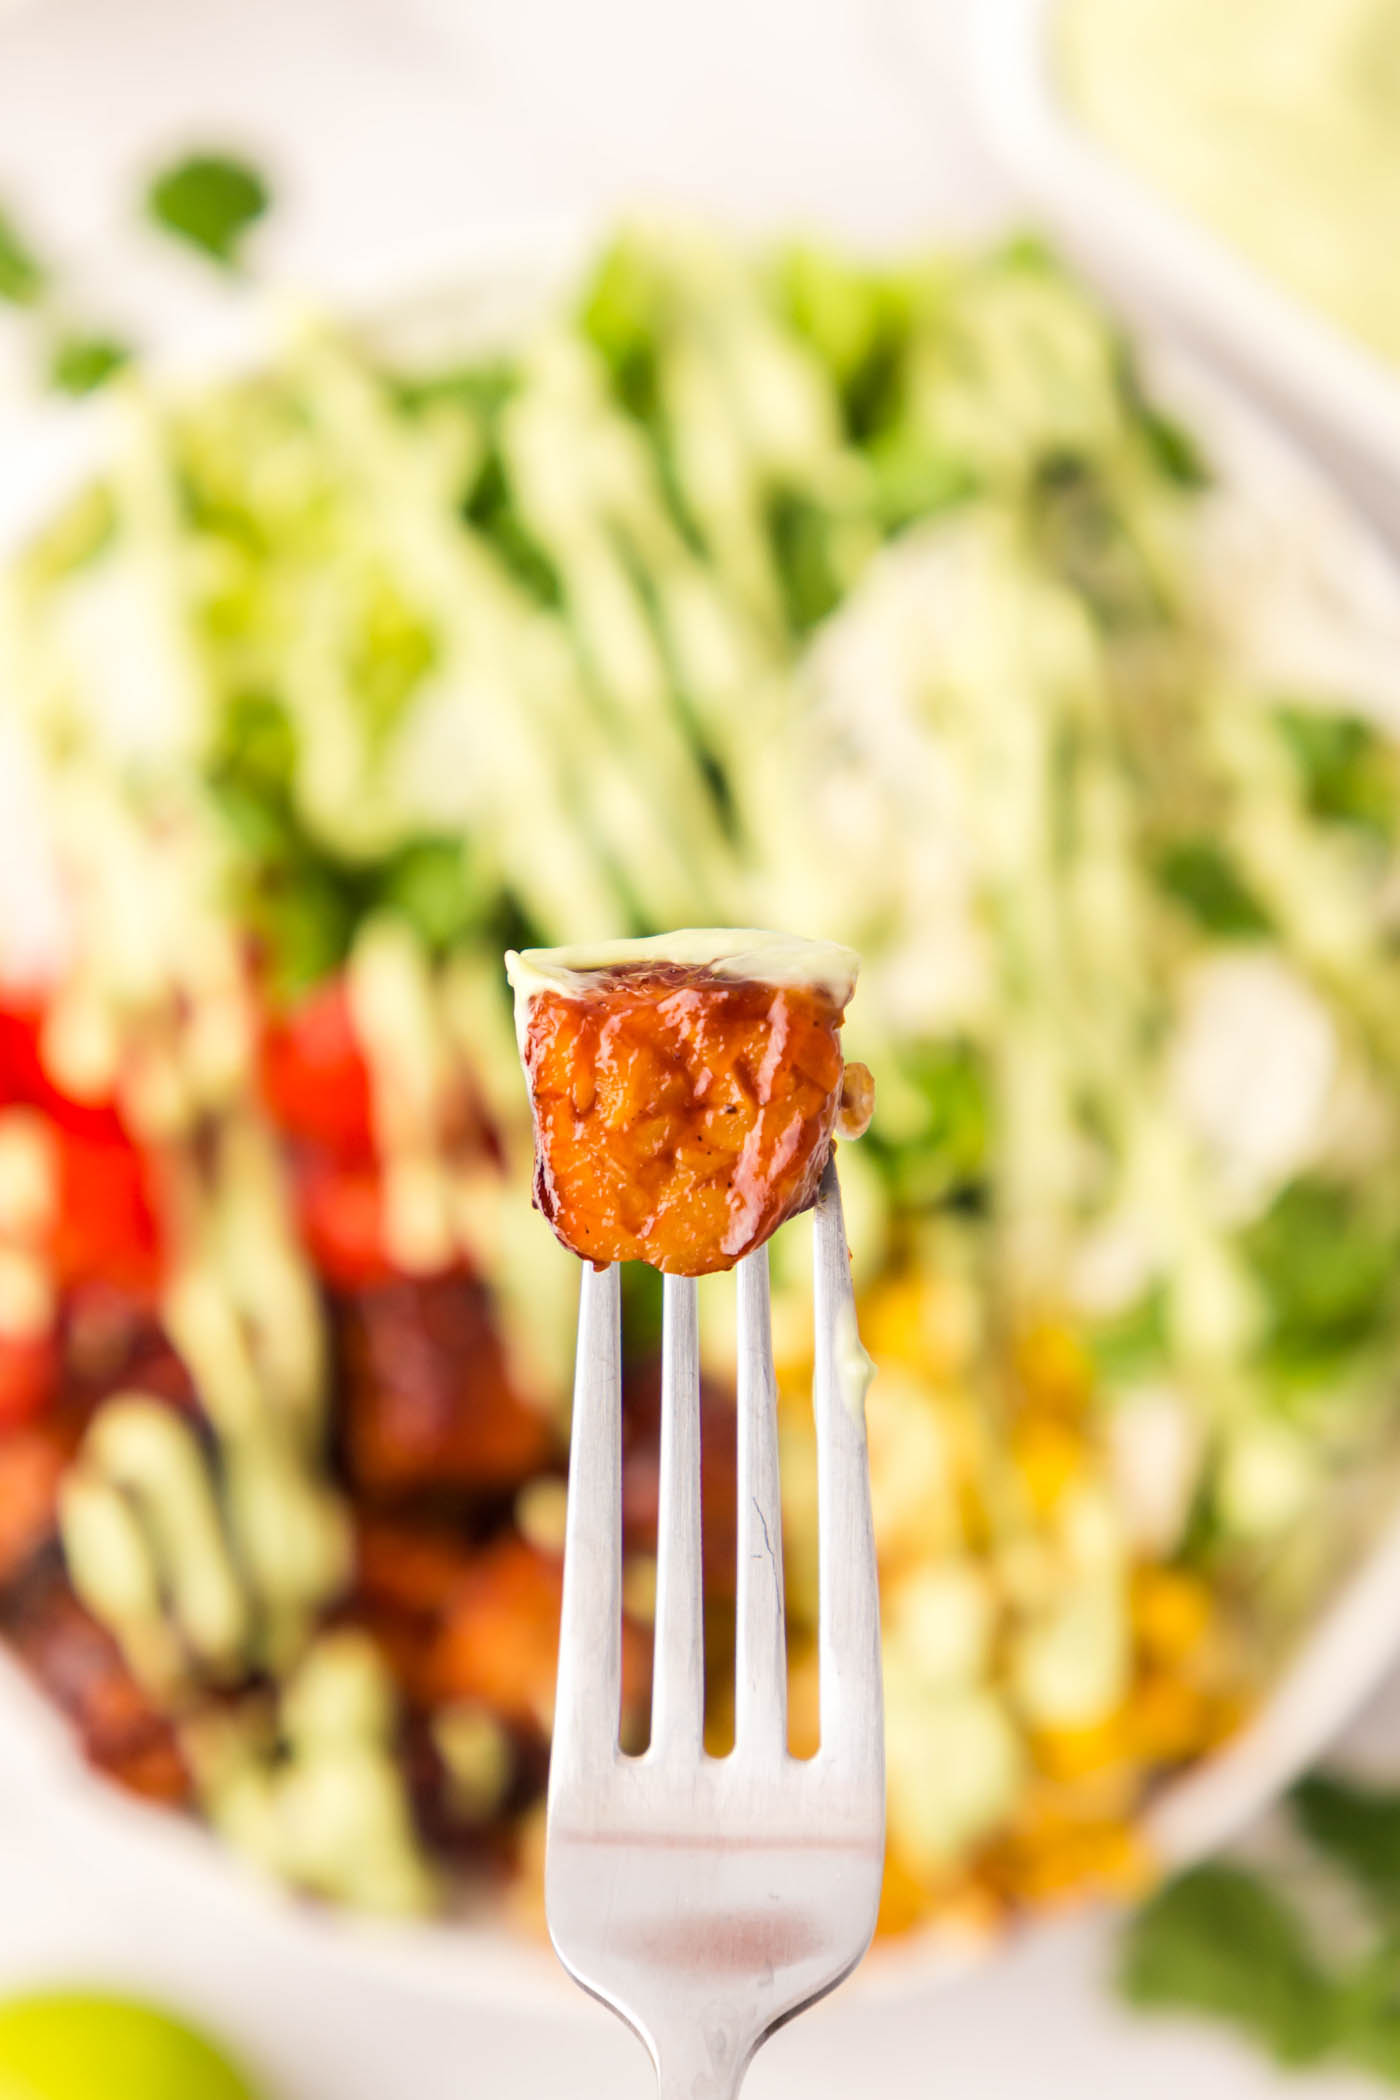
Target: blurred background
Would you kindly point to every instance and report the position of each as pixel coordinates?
(916, 473)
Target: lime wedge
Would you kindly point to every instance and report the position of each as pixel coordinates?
(82, 2045)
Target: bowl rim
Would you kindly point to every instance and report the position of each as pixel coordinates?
(1112, 215)
(1338, 1663)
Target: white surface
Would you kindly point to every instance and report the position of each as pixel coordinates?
(1040, 2024)
(440, 116)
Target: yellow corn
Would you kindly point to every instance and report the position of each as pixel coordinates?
(1061, 1860)
(1072, 1753)
(1054, 1368)
(891, 1321)
(1050, 1457)
(1168, 1719)
(1172, 1612)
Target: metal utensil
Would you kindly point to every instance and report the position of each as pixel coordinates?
(709, 1899)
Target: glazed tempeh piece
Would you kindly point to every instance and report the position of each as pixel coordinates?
(685, 1089)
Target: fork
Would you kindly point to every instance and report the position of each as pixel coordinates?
(707, 1900)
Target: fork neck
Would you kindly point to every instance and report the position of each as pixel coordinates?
(700, 2068)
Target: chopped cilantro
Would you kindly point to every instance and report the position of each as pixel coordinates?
(490, 506)
(1197, 875)
(1235, 1944)
(1327, 1264)
(1026, 249)
(392, 650)
(434, 884)
(209, 200)
(483, 388)
(622, 316)
(21, 274)
(942, 1154)
(1358, 1827)
(1218, 1940)
(82, 363)
(1134, 1341)
(858, 322)
(1348, 768)
(915, 478)
(1172, 447)
(802, 547)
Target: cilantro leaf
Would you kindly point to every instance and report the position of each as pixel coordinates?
(1134, 1341)
(1218, 1940)
(1326, 1262)
(209, 200)
(490, 507)
(1173, 448)
(81, 363)
(21, 273)
(802, 550)
(1348, 768)
(624, 315)
(434, 884)
(941, 1152)
(1196, 874)
(1223, 1941)
(1370, 2014)
(1358, 1828)
(858, 321)
(1373, 2043)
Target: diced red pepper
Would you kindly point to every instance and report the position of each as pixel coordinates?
(314, 1076)
(340, 1214)
(105, 1226)
(28, 1377)
(106, 1229)
(23, 1080)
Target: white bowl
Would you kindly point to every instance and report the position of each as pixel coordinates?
(1331, 563)
(1146, 245)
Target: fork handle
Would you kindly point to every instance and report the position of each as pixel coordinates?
(700, 2071)
(704, 2084)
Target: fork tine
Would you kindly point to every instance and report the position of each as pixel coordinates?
(589, 1696)
(760, 1687)
(678, 1692)
(848, 1608)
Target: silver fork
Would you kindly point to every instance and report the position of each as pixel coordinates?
(708, 1899)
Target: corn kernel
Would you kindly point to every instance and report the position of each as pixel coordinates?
(1172, 1611)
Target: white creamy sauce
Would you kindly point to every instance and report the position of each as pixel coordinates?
(1253, 1065)
(855, 1368)
(741, 953)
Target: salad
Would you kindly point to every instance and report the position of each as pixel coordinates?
(769, 589)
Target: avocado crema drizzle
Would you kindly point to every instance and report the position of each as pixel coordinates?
(213, 1548)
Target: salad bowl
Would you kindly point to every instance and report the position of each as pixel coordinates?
(1308, 582)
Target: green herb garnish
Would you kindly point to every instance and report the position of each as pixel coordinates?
(1348, 768)
(1196, 874)
(21, 275)
(1359, 1829)
(209, 200)
(82, 363)
(1219, 1940)
(1327, 1265)
(1237, 1944)
(802, 549)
